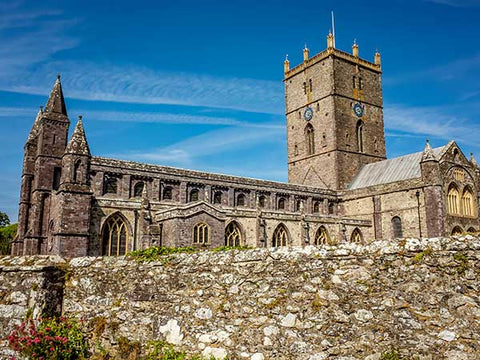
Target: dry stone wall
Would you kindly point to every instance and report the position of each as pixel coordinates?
(29, 286)
(420, 297)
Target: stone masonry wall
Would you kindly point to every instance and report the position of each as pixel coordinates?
(349, 301)
(28, 285)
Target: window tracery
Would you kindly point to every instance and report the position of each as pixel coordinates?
(280, 236)
(201, 234)
(115, 236)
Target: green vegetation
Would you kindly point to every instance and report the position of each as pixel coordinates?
(7, 233)
(392, 355)
(157, 253)
(228, 248)
(462, 259)
(160, 350)
(49, 339)
(421, 255)
(4, 220)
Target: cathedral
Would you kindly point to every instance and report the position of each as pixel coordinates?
(341, 187)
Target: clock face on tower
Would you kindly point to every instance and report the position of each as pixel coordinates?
(358, 109)
(308, 114)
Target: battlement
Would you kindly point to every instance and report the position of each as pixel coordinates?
(331, 51)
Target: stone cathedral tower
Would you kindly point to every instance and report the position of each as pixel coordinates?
(334, 111)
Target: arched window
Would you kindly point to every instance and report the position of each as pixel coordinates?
(310, 85)
(299, 205)
(193, 195)
(217, 197)
(281, 204)
(356, 236)
(115, 236)
(201, 234)
(331, 208)
(316, 207)
(280, 236)
(321, 236)
(453, 200)
(57, 176)
(471, 230)
(77, 175)
(457, 231)
(456, 155)
(310, 139)
(467, 203)
(109, 184)
(360, 135)
(262, 200)
(233, 236)
(167, 193)
(240, 200)
(138, 189)
(397, 227)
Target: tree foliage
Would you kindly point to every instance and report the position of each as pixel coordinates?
(7, 233)
(4, 220)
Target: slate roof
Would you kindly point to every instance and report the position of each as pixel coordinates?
(397, 169)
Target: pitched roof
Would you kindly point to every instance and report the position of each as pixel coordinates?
(397, 169)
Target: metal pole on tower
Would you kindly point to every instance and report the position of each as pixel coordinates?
(333, 28)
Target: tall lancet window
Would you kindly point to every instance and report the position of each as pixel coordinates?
(360, 135)
(310, 139)
(77, 175)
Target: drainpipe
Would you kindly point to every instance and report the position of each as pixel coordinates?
(418, 210)
(135, 225)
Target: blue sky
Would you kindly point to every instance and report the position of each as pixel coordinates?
(197, 84)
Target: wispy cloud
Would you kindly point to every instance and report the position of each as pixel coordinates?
(147, 117)
(170, 118)
(28, 65)
(44, 33)
(186, 152)
(457, 3)
(460, 68)
(440, 122)
(132, 84)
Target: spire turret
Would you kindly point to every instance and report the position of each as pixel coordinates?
(330, 40)
(473, 161)
(428, 154)
(36, 124)
(56, 102)
(78, 143)
(378, 60)
(305, 53)
(286, 65)
(355, 48)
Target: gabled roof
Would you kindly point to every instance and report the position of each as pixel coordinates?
(189, 210)
(392, 170)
